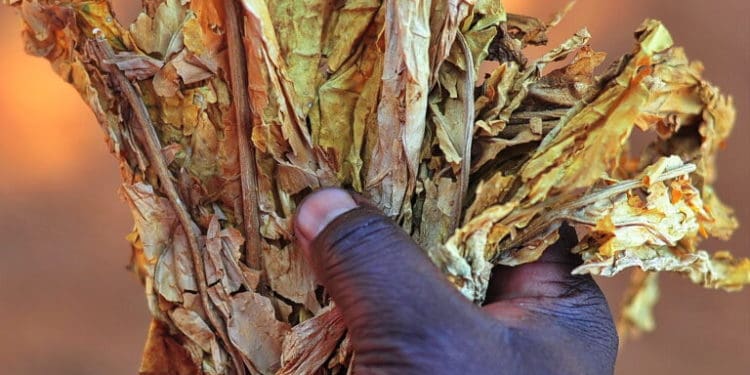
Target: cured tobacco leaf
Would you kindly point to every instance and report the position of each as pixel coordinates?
(584, 151)
(224, 114)
(640, 298)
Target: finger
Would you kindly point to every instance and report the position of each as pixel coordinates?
(552, 305)
(544, 278)
(378, 276)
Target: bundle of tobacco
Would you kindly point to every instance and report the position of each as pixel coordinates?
(224, 114)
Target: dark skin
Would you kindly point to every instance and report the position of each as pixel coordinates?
(404, 317)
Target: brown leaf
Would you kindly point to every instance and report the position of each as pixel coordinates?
(310, 343)
(253, 328)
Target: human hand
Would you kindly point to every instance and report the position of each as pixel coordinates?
(404, 317)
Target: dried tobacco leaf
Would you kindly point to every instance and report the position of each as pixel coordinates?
(225, 114)
(637, 315)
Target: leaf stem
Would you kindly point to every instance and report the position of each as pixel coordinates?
(248, 167)
(465, 172)
(566, 210)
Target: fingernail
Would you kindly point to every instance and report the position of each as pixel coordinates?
(319, 209)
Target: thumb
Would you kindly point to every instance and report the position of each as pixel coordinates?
(380, 279)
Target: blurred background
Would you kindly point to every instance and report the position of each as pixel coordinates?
(69, 306)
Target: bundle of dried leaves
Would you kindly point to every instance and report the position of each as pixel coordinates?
(223, 114)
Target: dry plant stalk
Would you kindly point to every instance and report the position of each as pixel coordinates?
(223, 114)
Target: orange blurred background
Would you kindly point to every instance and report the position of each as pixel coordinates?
(68, 305)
